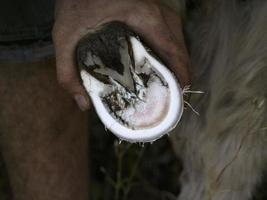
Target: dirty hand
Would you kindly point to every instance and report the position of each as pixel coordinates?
(159, 27)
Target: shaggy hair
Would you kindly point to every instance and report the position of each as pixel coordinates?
(223, 150)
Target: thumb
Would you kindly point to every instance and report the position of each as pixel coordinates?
(67, 72)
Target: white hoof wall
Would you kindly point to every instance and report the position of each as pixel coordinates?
(136, 97)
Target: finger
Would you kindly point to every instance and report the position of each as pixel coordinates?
(67, 72)
(160, 38)
(174, 23)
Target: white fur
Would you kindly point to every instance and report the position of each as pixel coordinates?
(224, 149)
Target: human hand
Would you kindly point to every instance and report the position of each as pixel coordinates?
(158, 26)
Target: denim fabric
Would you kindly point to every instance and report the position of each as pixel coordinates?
(26, 19)
(33, 52)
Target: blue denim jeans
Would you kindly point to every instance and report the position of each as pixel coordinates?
(22, 53)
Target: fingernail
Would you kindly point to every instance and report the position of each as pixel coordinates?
(81, 102)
